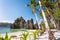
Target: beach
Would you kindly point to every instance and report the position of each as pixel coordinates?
(17, 35)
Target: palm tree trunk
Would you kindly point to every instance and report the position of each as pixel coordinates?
(36, 17)
(37, 20)
(44, 17)
(52, 18)
(58, 3)
(50, 34)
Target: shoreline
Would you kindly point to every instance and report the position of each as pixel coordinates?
(16, 33)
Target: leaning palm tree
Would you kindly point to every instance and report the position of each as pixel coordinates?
(58, 3)
(50, 35)
(50, 7)
(57, 17)
(33, 5)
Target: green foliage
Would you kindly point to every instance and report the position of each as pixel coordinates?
(1, 38)
(47, 15)
(6, 36)
(57, 13)
(49, 4)
(43, 25)
(32, 4)
(57, 16)
(51, 26)
(24, 37)
(36, 33)
(32, 1)
(40, 14)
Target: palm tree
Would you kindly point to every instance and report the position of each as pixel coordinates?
(50, 6)
(46, 24)
(44, 17)
(58, 3)
(33, 5)
(52, 18)
(57, 17)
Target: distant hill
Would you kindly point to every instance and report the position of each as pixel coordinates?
(4, 23)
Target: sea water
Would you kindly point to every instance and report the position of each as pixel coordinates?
(4, 29)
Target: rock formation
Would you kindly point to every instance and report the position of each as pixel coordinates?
(30, 24)
(36, 26)
(21, 23)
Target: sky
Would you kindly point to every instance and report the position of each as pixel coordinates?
(12, 9)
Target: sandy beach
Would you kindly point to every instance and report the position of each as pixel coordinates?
(42, 37)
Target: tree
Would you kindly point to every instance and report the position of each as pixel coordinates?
(33, 5)
(57, 17)
(50, 35)
(50, 7)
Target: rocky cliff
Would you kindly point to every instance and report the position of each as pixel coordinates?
(21, 23)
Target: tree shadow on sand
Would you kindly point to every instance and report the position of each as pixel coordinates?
(58, 39)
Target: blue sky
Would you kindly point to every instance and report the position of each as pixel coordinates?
(12, 9)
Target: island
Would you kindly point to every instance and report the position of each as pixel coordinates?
(21, 23)
(4, 24)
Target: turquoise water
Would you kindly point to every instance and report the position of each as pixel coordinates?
(4, 29)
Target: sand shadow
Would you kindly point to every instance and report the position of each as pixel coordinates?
(58, 39)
